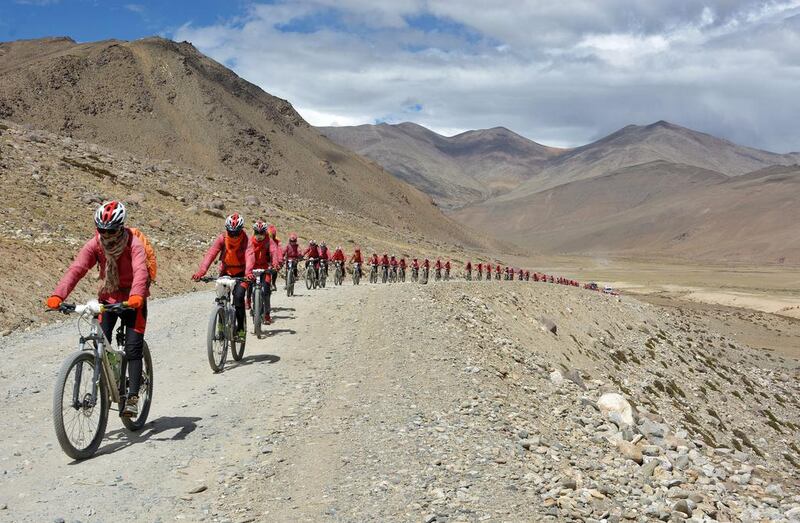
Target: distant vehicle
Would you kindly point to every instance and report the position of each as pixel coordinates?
(592, 286)
(608, 290)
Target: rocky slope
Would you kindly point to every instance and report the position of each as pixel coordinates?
(441, 403)
(455, 171)
(165, 100)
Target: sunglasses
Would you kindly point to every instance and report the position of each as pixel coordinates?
(108, 232)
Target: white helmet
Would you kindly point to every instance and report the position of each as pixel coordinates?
(110, 216)
(234, 222)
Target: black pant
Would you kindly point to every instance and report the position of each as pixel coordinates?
(239, 292)
(134, 321)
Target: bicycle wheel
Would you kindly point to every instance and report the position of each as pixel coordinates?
(79, 425)
(217, 339)
(323, 277)
(145, 393)
(237, 346)
(258, 314)
(290, 283)
(309, 278)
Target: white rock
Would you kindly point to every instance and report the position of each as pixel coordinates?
(612, 402)
(556, 378)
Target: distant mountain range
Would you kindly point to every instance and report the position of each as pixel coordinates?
(653, 190)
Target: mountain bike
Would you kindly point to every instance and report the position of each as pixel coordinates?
(447, 275)
(311, 274)
(393, 275)
(384, 273)
(401, 276)
(92, 379)
(497, 275)
(437, 275)
(414, 274)
(468, 276)
(479, 276)
(257, 307)
(291, 276)
(356, 273)
(222, 324)
(338, 275)
(373, 274)
(424, 276)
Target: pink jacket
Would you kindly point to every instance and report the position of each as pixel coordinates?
(275, 252)
(132, 266)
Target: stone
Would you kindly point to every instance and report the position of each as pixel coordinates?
(612, 402)
(630, 451)
(649, 468)
(548, 325)
(198, 489)
(682, 506)
(252, 201)
(216, 205)
(556, 378)
(569, 483)
(575, 377)
(650, 429)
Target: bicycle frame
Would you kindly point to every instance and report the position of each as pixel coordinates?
(100, 347)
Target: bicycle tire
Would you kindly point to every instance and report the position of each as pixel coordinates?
(237, 347)
(145, 400)
(258, 314)
(217, 332)
(58, 403)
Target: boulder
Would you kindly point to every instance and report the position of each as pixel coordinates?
(630, 451)
(548, 325)
(612, 402)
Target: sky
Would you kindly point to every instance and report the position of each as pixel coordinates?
(561, 73)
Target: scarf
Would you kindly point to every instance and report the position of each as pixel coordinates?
(112, 249)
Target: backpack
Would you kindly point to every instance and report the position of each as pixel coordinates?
(150, 253)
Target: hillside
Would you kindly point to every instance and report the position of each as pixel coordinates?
(455, 171)
(640, 144)
(164, 100)
(658, 209)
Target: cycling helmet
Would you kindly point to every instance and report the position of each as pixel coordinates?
(293, 238)
(260, 227)
(312, 242)
(234, 223)
(322, 244)
(110, 216)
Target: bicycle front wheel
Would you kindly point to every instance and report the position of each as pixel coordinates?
(258, 314)
(80, 423)
(145, 393)
(237, 344)
(217, 339)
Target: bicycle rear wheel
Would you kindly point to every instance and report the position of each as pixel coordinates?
(79, 425)
(217, 339)
(258, 314)
(309, 278)
(237, 345)
(145, 393)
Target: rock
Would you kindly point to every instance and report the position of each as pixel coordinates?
(430, 518)
(556, 378)
(217, 205)
(155, 224)
(651, 450)
(793, 513)
(682, 506)
(252, 201)
(649, 468)
(650, 429)
(569, 483)
(198, 489)
(522, 434)
(612, 402)
(630, 451)
(575, 377)
(135, 199)
(548, 325)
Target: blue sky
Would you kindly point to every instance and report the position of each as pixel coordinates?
(561, 73)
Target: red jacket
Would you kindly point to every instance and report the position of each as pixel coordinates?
(393, 262)
(257, 257)
(438, 264)
(402, 263)
(384, 260)
(498, 269)
(338, 256)
(426, 264)
(373, 260)
(131, 264)
(415, 264)
(292, 251)
(323, 253)
(469, 266)
(275, 252)
(230, 263)
(311, 252)
(480, 267)
(447, 265)
(356, 257)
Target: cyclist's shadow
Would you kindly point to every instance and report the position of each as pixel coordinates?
(159, 429)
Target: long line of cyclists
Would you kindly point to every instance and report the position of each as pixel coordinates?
(127, 267)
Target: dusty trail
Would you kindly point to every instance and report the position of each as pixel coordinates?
(203, 428)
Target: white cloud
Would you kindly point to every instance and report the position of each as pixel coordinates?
(559, 72)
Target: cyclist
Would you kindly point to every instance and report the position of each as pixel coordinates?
(480, 270)
(123, 274)
(447, 270)
(356, 259)
(324, 256)
(468, 269)
(231, 249)
(402, 265)
(339, 257)
(312, 253)
(393, 263)
(276, 254)
(497, 272)
(384, 267)
(258, 256)
(292, 253)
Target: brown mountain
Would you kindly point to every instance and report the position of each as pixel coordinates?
(639, 144)
(455, 171)
(658, 208)
(165, 100)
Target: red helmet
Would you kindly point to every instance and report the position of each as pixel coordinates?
(234, 223)
(293, 237)
(260, 227)
(110, 216)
